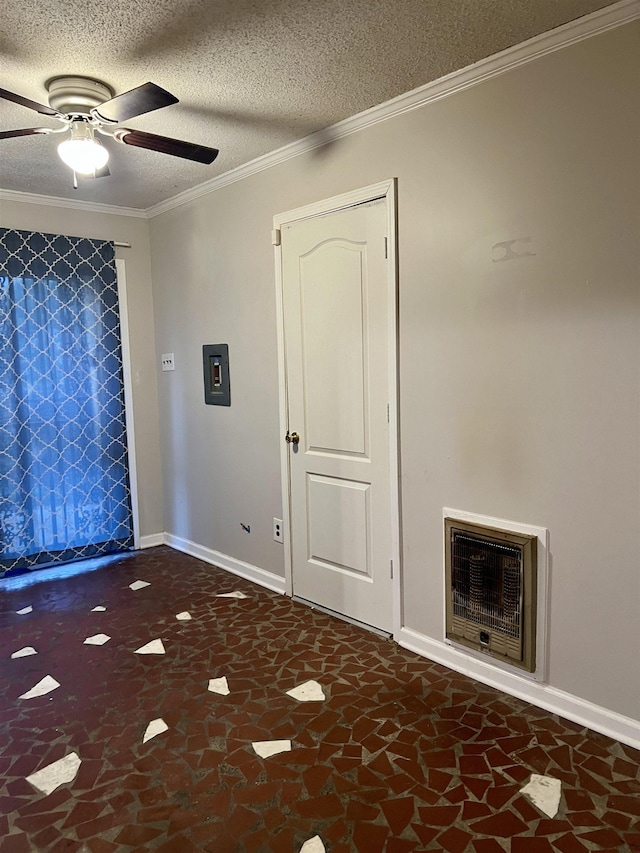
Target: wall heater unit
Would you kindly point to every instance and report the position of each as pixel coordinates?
(491, 591)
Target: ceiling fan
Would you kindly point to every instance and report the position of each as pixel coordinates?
(84, 105)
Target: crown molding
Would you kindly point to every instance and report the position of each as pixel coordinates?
(568, 34)
(600, 21)
(71, 204)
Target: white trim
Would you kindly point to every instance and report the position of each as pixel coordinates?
(573, 32)
(385, 190)
(393, 296)
(361, 195)
(506, 60)
(542, 595)
(609, 723)
(229, 564)
(71, 204)
(123, 309)
(151, 541)
(283, 414)
(571, 707)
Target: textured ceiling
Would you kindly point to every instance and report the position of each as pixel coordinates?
(251, 75)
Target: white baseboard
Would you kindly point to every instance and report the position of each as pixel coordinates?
(229, 564)
(152, 540)
(609, 723)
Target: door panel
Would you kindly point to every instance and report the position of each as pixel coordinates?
(336, 329)
(339, 524)
(334, 358)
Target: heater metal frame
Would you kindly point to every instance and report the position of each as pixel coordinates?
(486, 638)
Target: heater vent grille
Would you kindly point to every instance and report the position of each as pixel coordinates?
(491, 591)
(487, 583)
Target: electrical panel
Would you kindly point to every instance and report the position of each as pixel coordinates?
(215, 363)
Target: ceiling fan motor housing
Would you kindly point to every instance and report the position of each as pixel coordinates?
(77, 95)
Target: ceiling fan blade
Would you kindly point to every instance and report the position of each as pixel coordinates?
(166, 145)
(31, 105)
(25, 131)
(135, 102)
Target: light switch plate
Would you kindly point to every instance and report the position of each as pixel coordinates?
(167, 361)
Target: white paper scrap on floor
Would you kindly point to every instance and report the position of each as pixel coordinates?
(45, 685)
(310, 691)
(56, 774)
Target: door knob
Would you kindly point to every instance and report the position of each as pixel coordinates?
(292, 438)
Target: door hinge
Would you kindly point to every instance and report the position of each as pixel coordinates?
(391, 569)
(386, 247)
(276, 236)
(387, 413)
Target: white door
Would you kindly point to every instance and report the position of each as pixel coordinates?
(336, 335)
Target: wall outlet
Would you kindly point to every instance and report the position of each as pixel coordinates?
(166, 359)
(278, 533)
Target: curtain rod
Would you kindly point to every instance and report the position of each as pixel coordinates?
(121, 245)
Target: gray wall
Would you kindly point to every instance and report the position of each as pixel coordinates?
(519, 380)
(107, 226)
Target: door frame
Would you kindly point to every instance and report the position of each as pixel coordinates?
(123, 310)
(386, 191)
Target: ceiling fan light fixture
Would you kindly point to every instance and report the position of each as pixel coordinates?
(84, 106)
(82, 152)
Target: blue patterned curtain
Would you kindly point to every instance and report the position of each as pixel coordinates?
(64, 482)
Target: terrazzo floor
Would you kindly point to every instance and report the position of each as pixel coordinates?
(400, 755)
